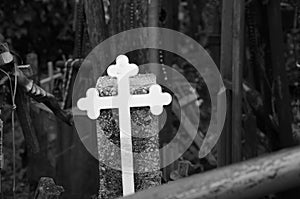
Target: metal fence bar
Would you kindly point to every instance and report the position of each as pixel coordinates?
(253, 178)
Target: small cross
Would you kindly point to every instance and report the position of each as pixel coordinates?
(93, 103)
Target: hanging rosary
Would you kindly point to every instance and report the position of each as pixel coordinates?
(161, 52)
(131, 14)
(66, 81)
(296, 93)
(132, 11)
(161, 61)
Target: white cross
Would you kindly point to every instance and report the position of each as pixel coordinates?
(93, 103)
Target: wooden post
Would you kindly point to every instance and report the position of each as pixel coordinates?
(95, 20)
(237, 77)
(232, 45)
(153, 14)
(224, 145)
(250, 179)
(130, 14)
(50, 75)
(250, 135)
(145, 139)
(280, 84)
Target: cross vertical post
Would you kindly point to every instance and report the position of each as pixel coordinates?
(125, 137)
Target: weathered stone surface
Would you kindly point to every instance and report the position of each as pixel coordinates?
(144, 139)
(47, 189)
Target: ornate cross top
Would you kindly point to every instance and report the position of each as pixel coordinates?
(93, 103)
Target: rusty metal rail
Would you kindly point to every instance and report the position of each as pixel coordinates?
(253, 178)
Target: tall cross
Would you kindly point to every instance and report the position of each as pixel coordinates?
(93, 103)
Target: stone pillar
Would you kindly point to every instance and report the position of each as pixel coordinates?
(144, 140)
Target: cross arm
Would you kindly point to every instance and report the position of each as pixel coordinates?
(93, 103)
(156, 99)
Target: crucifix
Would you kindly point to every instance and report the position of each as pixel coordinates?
(123, 101)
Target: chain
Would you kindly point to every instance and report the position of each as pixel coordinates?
(78, 29)
(161, 52)
(65, 70)
(161, 61)
(131, 14)
(66, 81)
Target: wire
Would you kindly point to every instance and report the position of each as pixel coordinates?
(13, 131)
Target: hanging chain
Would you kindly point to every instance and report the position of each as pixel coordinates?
(162, 61)
(67, 85)
(295, 31)
(66, 82)
(65, 71)
(79, 18)
(161, 53)
(295, 49)
(131, 14)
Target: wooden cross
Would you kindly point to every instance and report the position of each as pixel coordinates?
(93, 103)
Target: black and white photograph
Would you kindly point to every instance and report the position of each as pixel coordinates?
(150, 99)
